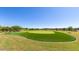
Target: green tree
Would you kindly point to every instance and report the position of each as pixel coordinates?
(5, 29)
(70, 28)
(16, 28)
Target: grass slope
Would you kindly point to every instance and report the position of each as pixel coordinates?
(47, 37)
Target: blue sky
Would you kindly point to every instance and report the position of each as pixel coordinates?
(39, 17)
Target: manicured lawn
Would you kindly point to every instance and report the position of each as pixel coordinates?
(46, 37)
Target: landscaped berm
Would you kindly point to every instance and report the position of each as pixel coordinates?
(40, 40)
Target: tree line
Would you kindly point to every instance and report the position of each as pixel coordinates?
(70, 28)
(10, 29)
(19, 28)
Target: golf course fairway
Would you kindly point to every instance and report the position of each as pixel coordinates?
(46, 37)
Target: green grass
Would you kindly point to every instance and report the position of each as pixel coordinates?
(46, 37)
(17, 42)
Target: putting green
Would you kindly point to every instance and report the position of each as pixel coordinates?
(46, 37)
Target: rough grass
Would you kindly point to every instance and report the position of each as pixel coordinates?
(46, 37)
